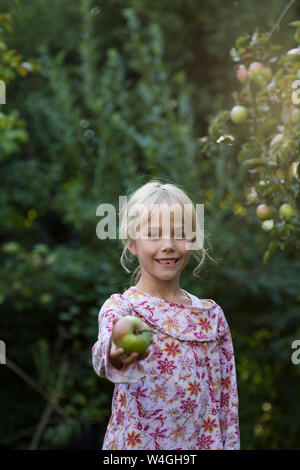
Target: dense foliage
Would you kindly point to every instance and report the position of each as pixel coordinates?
(101, 98)
(263, 130)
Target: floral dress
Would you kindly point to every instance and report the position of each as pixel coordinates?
(183, 395)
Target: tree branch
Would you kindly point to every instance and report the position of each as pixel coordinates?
(12, 366)
(282, 15)
(40, 427)
(48, 409)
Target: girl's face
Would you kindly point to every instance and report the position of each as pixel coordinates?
(154, 248)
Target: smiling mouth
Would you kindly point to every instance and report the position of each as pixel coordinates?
(170, 262)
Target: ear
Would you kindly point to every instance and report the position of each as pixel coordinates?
(132, 247)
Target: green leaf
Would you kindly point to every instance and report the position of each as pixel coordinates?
(225, 139)
(292, 58)
(246, 152)
(271, 189)
(266, 127)
(254, 161)
(11, 248)
(275, 47)
(286, 81)
(271, 248)
(234, 55)
(241, 40)
(297, 35)
(295, 24)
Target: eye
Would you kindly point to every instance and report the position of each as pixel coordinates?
(187, 237)
(181, 233)
(191, 239)
(153, 235)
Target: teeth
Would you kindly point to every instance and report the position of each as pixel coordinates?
(168, 262)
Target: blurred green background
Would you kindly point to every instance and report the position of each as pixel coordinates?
(120, 93)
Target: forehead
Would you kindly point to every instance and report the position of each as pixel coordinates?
(162, 214)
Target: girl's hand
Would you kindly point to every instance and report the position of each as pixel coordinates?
(118, 357)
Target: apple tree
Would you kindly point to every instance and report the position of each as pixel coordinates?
(263, 130)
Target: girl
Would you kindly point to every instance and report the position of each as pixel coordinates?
(181, 393)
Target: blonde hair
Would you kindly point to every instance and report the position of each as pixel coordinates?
(154, 192)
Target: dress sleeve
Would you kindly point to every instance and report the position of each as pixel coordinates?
(229, 420)
(113, 307)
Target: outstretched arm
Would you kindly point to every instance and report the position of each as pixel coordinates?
(113, 308)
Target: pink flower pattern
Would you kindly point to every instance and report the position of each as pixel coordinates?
(183, 395)
(166, 366)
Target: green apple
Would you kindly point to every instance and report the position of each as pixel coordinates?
(238, 114)
(259, 73)
(242, 74)
(264, 212)
(286, 211)
(132, 334)
(296, 115)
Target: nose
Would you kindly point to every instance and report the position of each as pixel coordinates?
(167, 243)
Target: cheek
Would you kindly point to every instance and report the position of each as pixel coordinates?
(148, 250)
(181, 246)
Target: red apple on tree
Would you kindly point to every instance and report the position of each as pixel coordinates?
(259, 73)
(242, 74)
(132, 334)
(238, 114)
(264, 212)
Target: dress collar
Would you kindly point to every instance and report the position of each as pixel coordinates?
(196, 302)
(185, 322)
